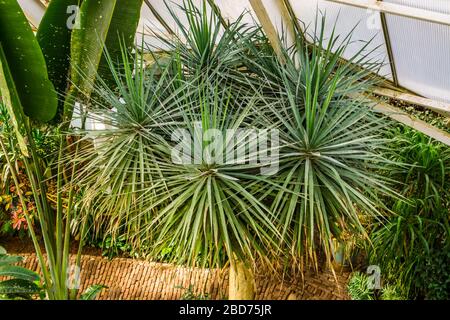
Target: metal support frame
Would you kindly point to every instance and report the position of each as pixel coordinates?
(268, 27)
(387, 40)
(158, 17)
(399, 10)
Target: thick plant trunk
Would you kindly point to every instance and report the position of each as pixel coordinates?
(241, 282)
(292, 296)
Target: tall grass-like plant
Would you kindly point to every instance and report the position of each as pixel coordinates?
(205, 47)
(53, 220)
(204, 210)
(314, 57)
(121, 163)
(420, 228)
(328, 184)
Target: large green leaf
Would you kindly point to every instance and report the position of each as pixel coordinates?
(11, 100)
(54, 35)
(122, 32)
(92, 292)
(18, 286)
(8, 260)
(86, 49)
(18, 273)
(88, 42)
(26, 62)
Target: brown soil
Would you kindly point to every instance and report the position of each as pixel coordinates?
(25, 245)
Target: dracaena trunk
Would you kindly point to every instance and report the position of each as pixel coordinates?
(241, 281)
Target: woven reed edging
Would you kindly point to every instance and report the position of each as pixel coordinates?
(129, 279)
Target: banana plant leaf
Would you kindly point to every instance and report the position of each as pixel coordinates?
(8, 260)
(54, 36)
(18, 286)
(87, 45)
(122, 32)
(18, 272)
(26, 63)
(11, 100)
(88, 42)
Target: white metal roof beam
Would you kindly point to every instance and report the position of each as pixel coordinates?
(410, 121)
(399, 10)
(34, 11)
(268, 27)
(442, 108)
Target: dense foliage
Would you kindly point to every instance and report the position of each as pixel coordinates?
(360, 287)
(412, 246)
(23, 284)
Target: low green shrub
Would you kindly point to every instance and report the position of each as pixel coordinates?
(359, 288)
(23, 284)
(433, 275)
(411, 245)
(189, 294)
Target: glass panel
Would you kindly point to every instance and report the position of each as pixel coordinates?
(422, 50)
(367, 22)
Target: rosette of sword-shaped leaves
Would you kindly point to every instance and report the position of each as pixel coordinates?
(205, 46)
(130, 127)
(207, 197)
(205, 212)
(329, 182)
(104, 26)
